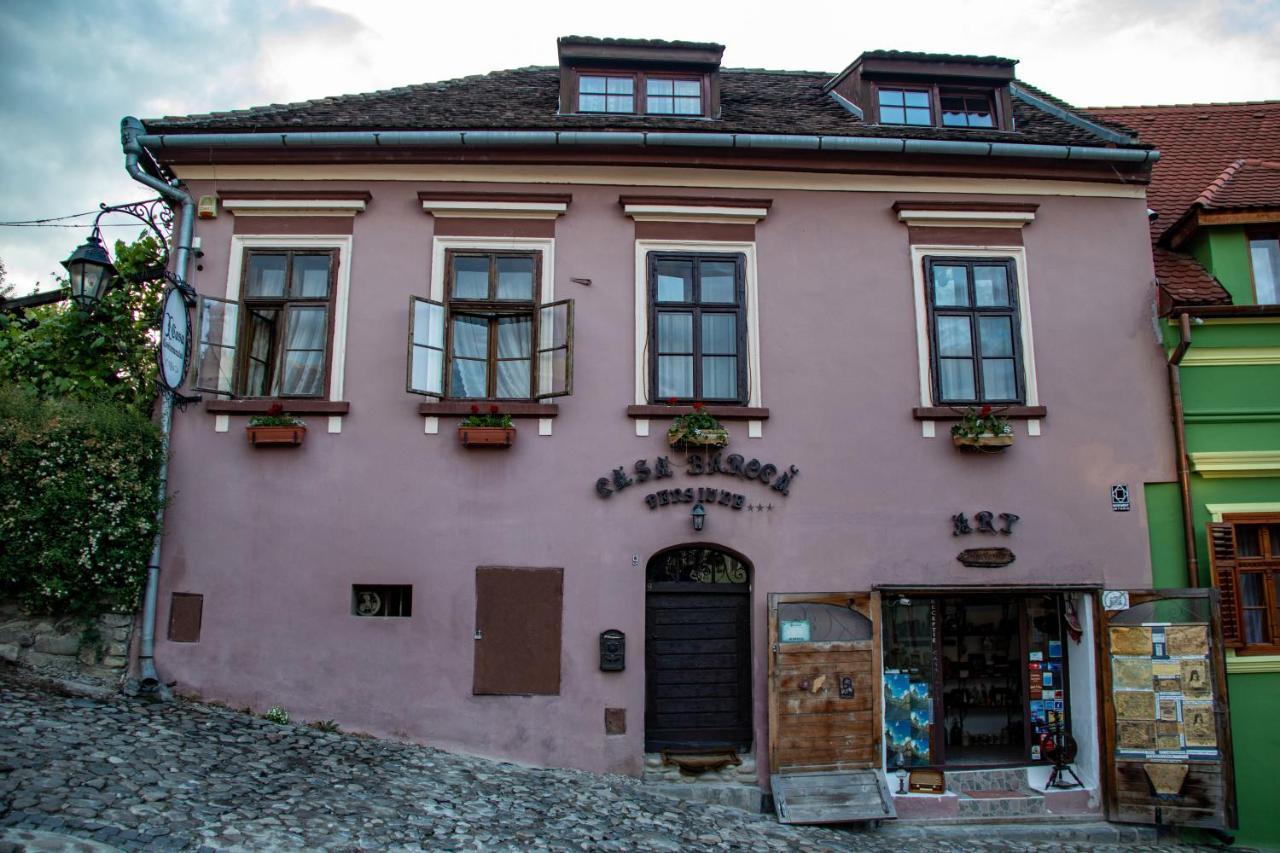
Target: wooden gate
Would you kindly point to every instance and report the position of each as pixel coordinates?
(1168, 734)
(825, 714)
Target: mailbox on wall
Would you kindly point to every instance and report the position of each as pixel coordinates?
(613, 651)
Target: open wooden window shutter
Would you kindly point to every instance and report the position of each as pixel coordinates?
(1222, 562)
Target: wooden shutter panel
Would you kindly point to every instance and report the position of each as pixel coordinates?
(1222, 563)
(518, 622)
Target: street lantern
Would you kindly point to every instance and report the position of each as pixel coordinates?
(699, 514)
(91, 272)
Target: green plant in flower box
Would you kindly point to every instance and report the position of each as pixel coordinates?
(494, 418)
(696, 428)
(276, 417)
(982, 428)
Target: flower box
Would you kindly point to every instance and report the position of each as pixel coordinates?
(988, 443)
(682, 439)
(484, 436)
(276, 436)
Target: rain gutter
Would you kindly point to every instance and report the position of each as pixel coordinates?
(130, 133)
(161, 142)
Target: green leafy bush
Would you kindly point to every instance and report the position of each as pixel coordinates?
(77, 503)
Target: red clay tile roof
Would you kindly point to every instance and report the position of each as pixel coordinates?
(1197, 142)
(1250, 183)
(1185, 281)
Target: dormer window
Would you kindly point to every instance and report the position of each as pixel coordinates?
(639, 77)
(673, 96)
(601, 94)
(966, 109)
(905, 106)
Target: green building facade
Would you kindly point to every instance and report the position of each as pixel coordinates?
(1215, 200)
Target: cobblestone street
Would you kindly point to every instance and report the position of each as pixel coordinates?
(136, 775)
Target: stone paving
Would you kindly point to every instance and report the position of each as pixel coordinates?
(125, 774)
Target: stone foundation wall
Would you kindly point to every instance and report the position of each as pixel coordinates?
(63, 646)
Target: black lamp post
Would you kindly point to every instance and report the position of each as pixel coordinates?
(91, 272)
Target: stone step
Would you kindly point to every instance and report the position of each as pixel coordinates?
(1040, 830)
(1020, 802)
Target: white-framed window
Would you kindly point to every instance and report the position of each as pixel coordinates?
(491, 329)
(720, 285)
(279, 330)
(973, 326)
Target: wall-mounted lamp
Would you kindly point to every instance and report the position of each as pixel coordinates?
(699, 515)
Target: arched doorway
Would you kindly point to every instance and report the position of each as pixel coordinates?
(697, 650)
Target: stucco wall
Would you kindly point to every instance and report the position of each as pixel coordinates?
(274, 540)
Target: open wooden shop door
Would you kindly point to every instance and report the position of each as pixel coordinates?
(1168, 734)
(825, 714)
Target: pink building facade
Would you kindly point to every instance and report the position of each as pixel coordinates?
(836, 309)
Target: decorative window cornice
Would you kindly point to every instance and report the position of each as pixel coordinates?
(967, 214)
(742, 211)
(1237, 463)
(294, 203)
(481, 205)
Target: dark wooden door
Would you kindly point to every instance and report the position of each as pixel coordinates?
(697, 667)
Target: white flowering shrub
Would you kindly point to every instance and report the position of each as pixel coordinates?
(77, 503)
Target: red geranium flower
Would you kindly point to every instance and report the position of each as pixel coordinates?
(986, 410)
(697, 406)
(475, 410)
(276, 409)
(673, 400)
(493, 410)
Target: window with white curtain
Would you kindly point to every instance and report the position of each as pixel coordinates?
(286, 299)
(491, 339)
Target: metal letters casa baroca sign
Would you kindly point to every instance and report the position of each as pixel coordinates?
(175, 339)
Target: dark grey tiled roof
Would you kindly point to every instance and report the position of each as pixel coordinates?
(937, 57)
(617, 42)
(751, 101)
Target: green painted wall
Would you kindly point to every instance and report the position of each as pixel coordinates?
(1164, 527)
(1224, 251)
(1256, 744)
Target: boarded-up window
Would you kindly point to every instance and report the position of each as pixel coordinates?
(185, 613)
(518, 631)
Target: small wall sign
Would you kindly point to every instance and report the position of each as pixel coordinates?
(1115, 599)
(1120, 497)
(795, 631)
(986, 558)
(175, 339)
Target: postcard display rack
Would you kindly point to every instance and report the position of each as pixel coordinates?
(1161, 691)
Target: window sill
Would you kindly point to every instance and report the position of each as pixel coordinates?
(948, 413)
(724, 413)
(462, 408)
(289, 407)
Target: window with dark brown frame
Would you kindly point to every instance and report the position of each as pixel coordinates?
(974, 337)
(966, 109)
(1264, 258)
(491, 339)
(697, 328)
(287, 300)
(641, 93)
(1245, 558)
(929, 105)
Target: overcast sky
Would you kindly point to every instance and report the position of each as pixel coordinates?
(70, 69)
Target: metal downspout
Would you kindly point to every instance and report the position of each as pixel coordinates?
(1180, 440)
(130, 129)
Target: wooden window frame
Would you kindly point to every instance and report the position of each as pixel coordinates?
(935, 92)
(1250, 236)
(1267, 564)
(283, 304)
(973, 311)
(494, 307)
(696, 308)
(640, 91)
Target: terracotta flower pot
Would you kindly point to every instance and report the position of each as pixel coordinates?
(277, 436)
(486, 436)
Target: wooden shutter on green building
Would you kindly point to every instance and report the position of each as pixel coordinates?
(1222, 563)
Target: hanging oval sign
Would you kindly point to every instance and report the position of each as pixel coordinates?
(175, 339)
